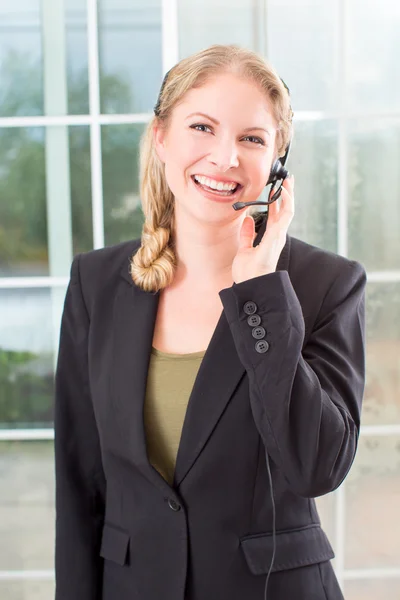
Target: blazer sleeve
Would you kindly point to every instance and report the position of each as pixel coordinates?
(306, 401)
(80, 482)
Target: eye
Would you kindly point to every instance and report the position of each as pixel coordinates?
(199, 125)
(257, 140)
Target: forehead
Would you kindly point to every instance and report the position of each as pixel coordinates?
(227, 96)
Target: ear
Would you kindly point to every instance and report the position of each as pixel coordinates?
(159, 135)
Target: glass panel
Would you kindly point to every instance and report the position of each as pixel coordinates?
(313, 161)
(382, 390)
(22, 37)
(23, 219)
(77, 56)
(372, 504)
(21, 68)
(123, 216)
(326, 510)
(27, 590)
(81, 189)
(29, 331)
(374, 193)
(372, 54)
(301, 46)
(23, 207)
(371, 589)
(27, 515)
(129, 33)
(206, 22)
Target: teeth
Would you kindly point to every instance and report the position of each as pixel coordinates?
(216, 185)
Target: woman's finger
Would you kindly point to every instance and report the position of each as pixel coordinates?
(284, 206)
(287, 206)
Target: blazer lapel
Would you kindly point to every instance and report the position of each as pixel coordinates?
(134, 316)
(218, 376)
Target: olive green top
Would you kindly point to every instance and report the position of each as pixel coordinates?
(169, 384)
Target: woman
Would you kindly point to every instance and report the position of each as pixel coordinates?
(210, 374)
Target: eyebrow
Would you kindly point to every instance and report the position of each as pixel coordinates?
(218, 123)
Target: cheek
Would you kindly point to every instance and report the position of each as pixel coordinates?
(195, 148)
(187, 151)
(259, 170)
(177, 168)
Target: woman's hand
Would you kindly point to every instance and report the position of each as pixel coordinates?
(252, 262)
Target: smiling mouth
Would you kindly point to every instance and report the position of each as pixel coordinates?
(219, 192)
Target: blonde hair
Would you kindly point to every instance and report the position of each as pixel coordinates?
(153, 265)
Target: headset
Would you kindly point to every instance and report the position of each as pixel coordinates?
(277, 174)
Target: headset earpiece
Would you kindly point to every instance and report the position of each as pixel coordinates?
(278, 173)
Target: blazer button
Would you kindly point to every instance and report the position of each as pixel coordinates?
(258, 332)
(250, 308)
(254, 320)
(262, 346)
(174, 505)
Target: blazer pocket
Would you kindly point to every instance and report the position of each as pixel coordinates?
(294, 548)
(114, 544)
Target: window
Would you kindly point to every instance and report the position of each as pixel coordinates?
(76, 94)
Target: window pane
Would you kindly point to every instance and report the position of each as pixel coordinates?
(382, 390)
(123, 216)
(371, 589)
(206, 22)
(21, 68)
(26, 507)
(326, 510)
(374, 189)
(26, 590)
(301, 46)
(372, 505)
(129, 54)
(77, 61)
(24, 200)
(372, 56)
(81, 189)
(23, 219)
(25, 33)
(28, 335)
(313, 161)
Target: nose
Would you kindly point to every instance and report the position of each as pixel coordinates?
(224, 156)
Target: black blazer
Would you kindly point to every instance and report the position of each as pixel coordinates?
(123, 533)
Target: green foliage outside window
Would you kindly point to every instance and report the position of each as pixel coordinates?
(26, 379)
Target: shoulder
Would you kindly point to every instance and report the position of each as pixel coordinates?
(307, 263)
(110, 258)
(102, 268)
(306, 259)
(318, 274)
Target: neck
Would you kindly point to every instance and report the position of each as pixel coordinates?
(205, 251)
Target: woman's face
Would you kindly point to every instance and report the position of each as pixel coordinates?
(232, 140)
